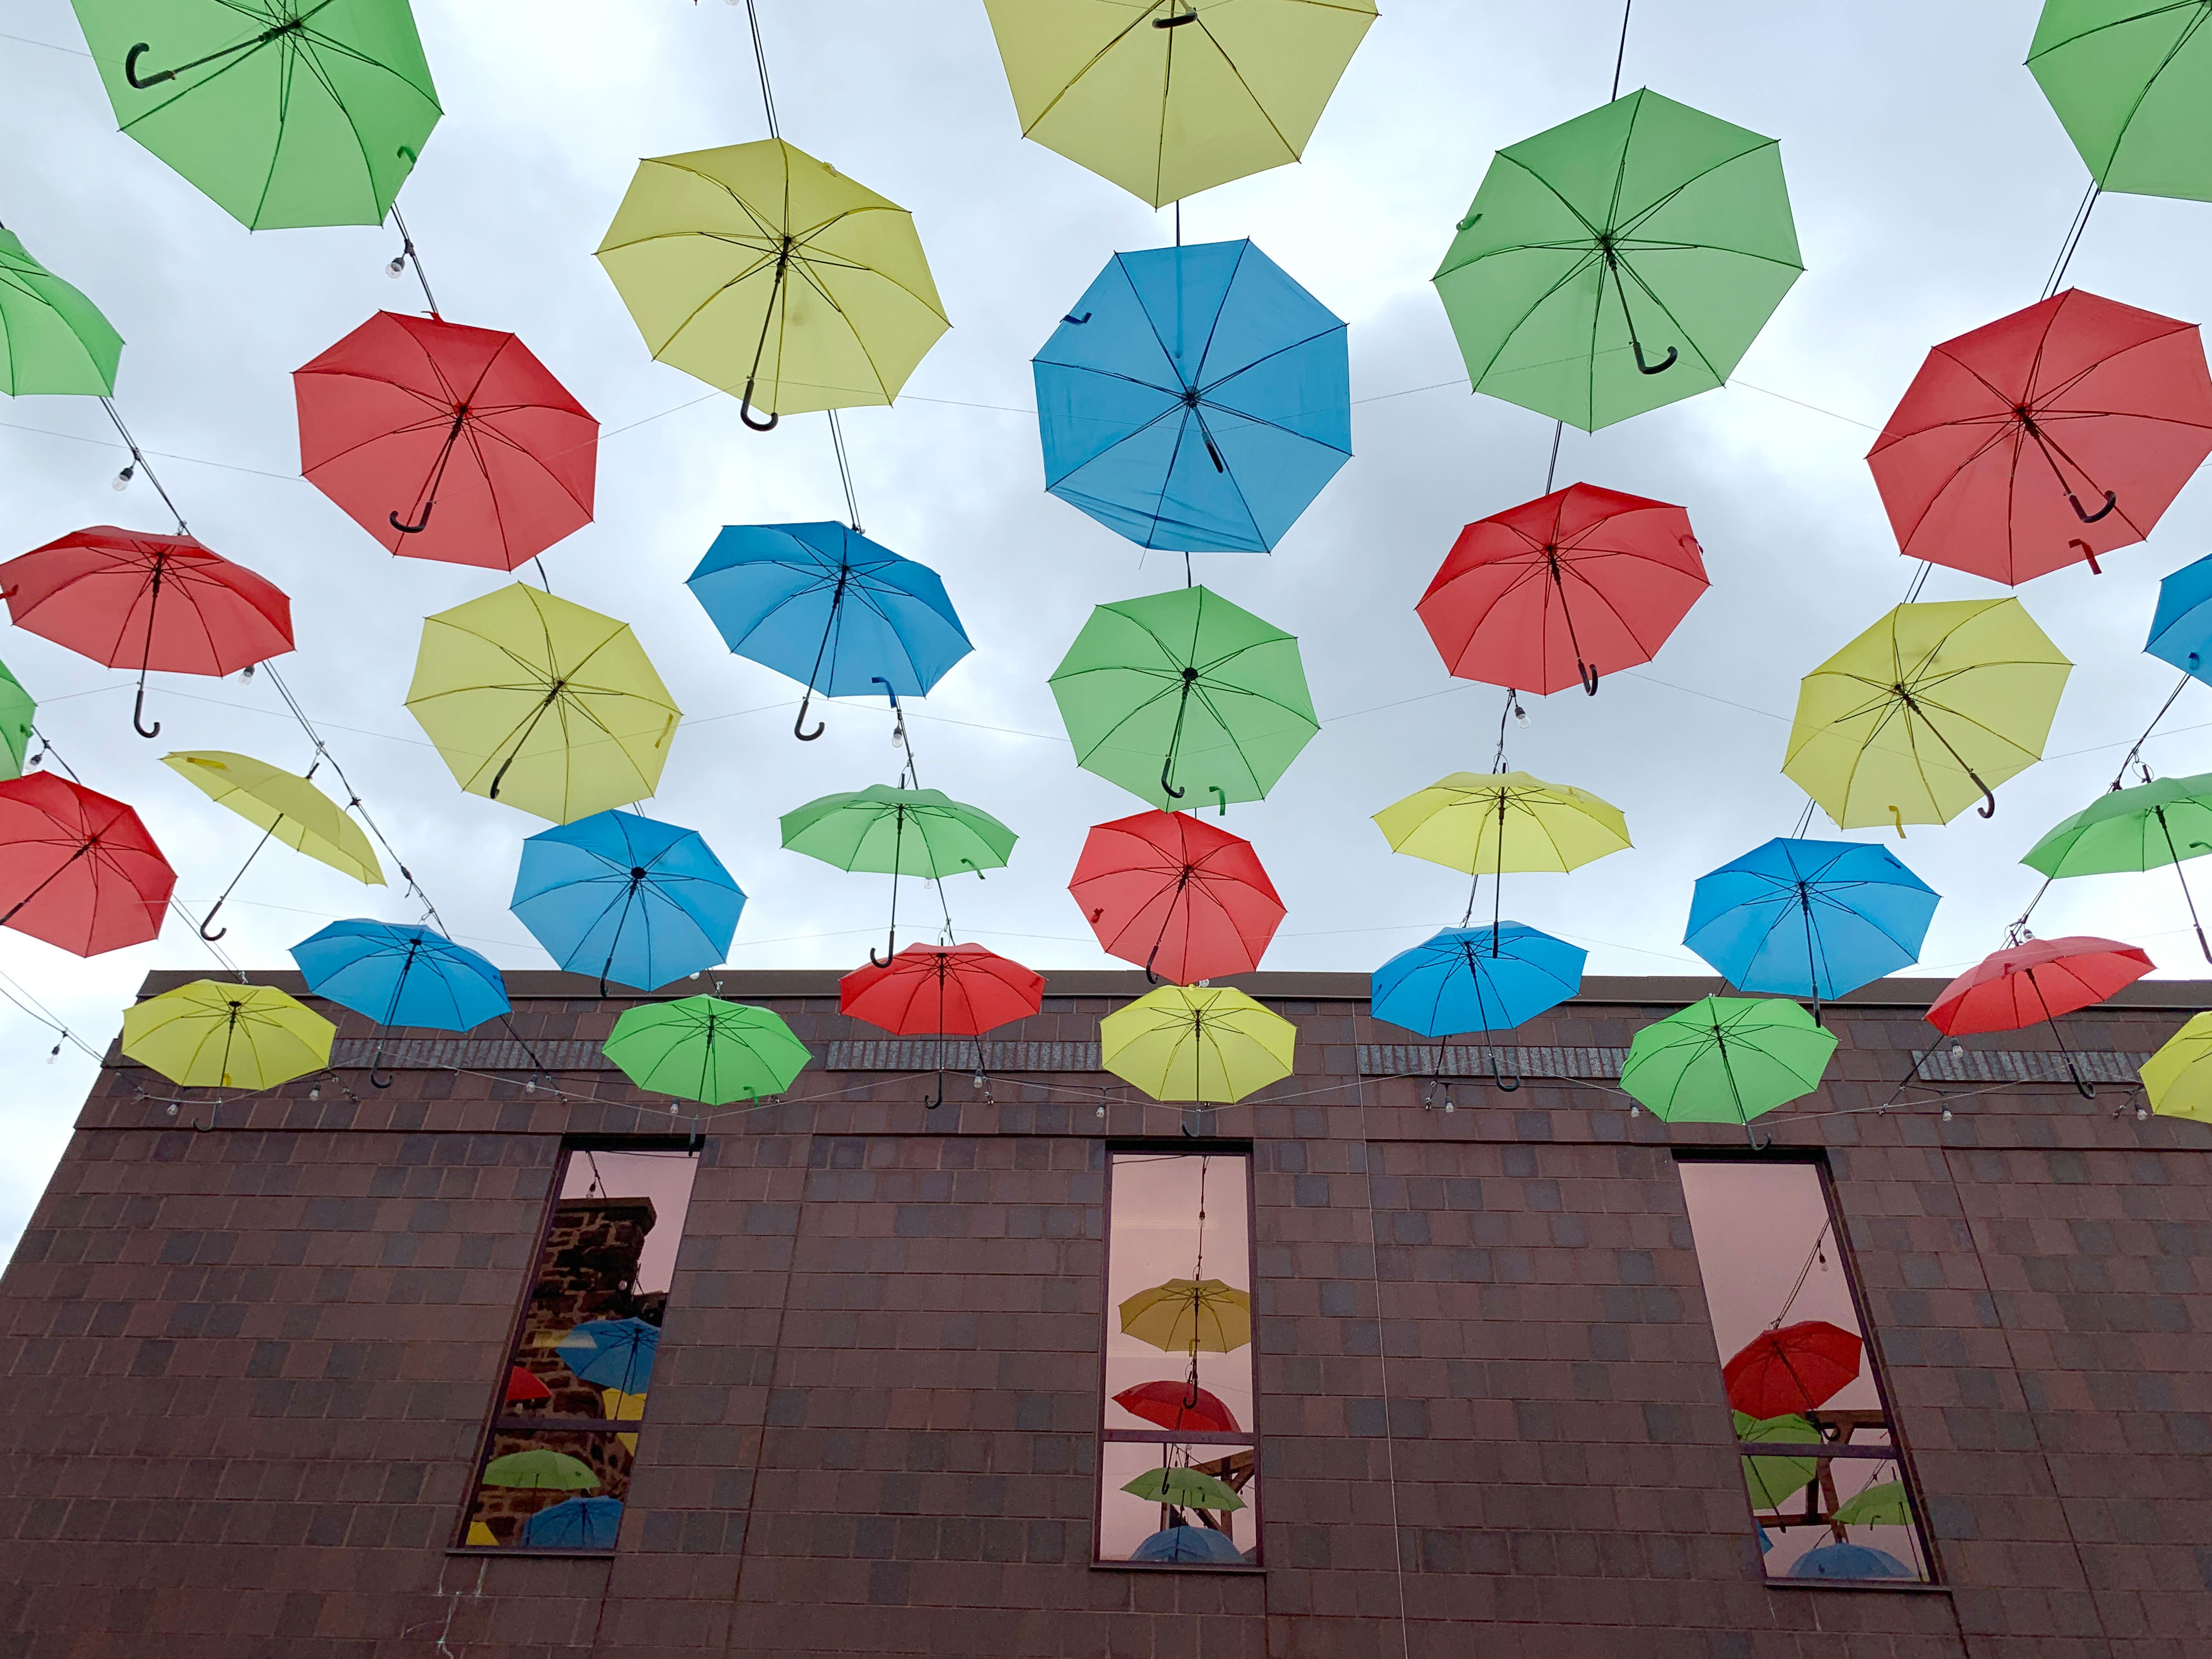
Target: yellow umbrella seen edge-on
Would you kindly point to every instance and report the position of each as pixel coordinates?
(288, 806)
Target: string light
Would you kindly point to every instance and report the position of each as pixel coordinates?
(122, 480)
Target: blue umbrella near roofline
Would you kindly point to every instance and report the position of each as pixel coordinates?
(627, 898)
(2181, 626)
(1476, 979)
(400, 974)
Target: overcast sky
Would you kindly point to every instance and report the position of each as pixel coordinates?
(1931, 186)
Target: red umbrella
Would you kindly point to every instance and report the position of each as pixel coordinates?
(406, 414)
(1178, 1405)
(132, 599)
(942, 990)
(1169, 892)
(76, 869)
(2051, 435)
(1795, 1369)
(2038, 979)
(1582, 581)
(522, 1385)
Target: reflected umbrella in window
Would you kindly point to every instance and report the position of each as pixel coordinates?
(613, 1353)
(525, 1388)
(1883, 1504)
(1848, 1561)
(1185, 1543)
(1476, 979)
(627, 898)
(1726, 1059)
(1178, 1405)
(578, 1523)
(705, 1049)
(1792, 1367)
(1182, 899)
(1184, 1489)
(1189, 1315)
(1774, 1481)
(540, 1469)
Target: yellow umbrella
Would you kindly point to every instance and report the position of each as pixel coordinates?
(1196, 1042)
(214, 1035)
(2177, 1078)
(290, 808)
(542, 704)
(770, 275)
(1928, 710)
(1189, 1315)
(1167, 98)
(1500, 821)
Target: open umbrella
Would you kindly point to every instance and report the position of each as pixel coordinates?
(1934, 706)
(401, 974)
(285, 112)
(2132, 85)
(1794, 1368)
(1492, 823)
(2036, 979)
(133, 599)
(1886, 1503)
(17, 711)
(1196, 1043)
(542, 704)
(1774, 1481)
(1187, 1543)
(77, 869)
(1848, 1561)
(1476, 979)
(1185, 1488)
(826, 606)
(2178, 1080)
(1558, 591)
(218, 1034)
(1726, 1059)
(2165, 821)
(1195, 399)
(1618, 262)
(2044, 438)
(1181, 898)
(627, 898)
(446, 442)
(540, 1469)
(577, 1524)
(1809, 918)
(52, 339)
(1178, 1405)
(769, 275)
(1184, 685)
(705, 1049)
(1189, 1315)
(898, 832)
(614, 1354)
(286, 807)
(941, 990)
(524, 1388)
(2181, 626)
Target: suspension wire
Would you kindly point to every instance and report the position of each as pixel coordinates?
(46, 750)
(1558, 431)
(1369, 1154)
(408, 254)
(221, 956)
(1804, 820)
(1620, 56)
(844, 471)
(2132, 757)
(2072, 245)
(760, 57)
(1512, 707)
(1803, 1273)
(139, 463)
(1919, 581)
(2018, 930)
(36, 1010)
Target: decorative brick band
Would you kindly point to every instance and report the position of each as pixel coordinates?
(958, 1053)
(1421, 1060)
(469, 1054)
(2028, 1065)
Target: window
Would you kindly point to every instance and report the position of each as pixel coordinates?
(1178, 1457)
(1800, 1374)
(556, 1462)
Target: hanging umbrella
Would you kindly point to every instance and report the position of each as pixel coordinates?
(1196, 1043)
(2177, 1081)
(898, 832)
(826, 606)
(1184, 685)
(1491, 823)
(2181, 628)
(1848, 1561)
(1189, 1315)
(524, 1388)
(578, 1523)
(1185, 1488)
(1774, 1481)
(399, 974)
(1726, 1059)
(2037, 979)
(613, 1353)
(1178, 1405)
(1165, 98)
(1809, 918)
(1794, 1368)
(1195, 399)
(1618, 262)
(941, 990)
(2132, 85)
(1934, 705)
(132, 599)
(1169, 891)
(446, 442)
(79, 870)
(2044, 438)
(2165, 821)
(1476, 979)
(1187, 1543)
(17, 711)
(214, 1034)
(765, 273)
(540, 1469)
(286, 807)
(1556, 590)
(542, 704)
(705, 1049)
(1883, 1504)
(285, 113)
(627, 898)
(52, 339)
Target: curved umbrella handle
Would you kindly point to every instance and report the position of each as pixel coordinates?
(1588, 677)
(130, 69)
(1077, 321)
(1498, 1074)
(931, 1105)
(2089, 554)
(1151, 978)
(1664, 363)
(219, 931)
(1213, 454)
(1222, 811)
(799, 726)
(1175, 21)
(2074, 501)
(1988, 808)
(1168, 788)
(745, 412)
(972, 870)
(419, 525)
(2086, 1090)
(138, 715)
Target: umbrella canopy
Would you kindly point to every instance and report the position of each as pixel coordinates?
(903, 832)
(52, 339)
(1189, 1315)
(1726, 1059)
(1476, 979)
(446, 442)
(1195, 399)
(767, 274)
(614, 1354)
(627, 898)
(17, 711)
(1178, 1405)
(1187, 1543)
(1621, 261)
(2165, 821)
(1848, 1561)
(1556, 592)
(1796, 1368)
(542, 704)
(944, 990)
(79, 870)
(524, 1388)
(2178, 1080)
(1172, 893)
(1166, 98)
(1774, 1481)
(1930, 708)
(401, 974)
(1809, 918)
(2039, 979)
(285, 113)
(285, 805)
(705, 1049)
(1185, 1488)
(1885, 1503)
(1196, 1043)
(1183, 694)
(2132, 85)
(540, 1469)
(2044, 438)
(2181, 628)
(1494, 821)
(576, 1523)
(216, 1033)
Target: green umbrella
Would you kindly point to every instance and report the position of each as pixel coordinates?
(901, 832)
(1725, 1059)
(1882, 1505)
(2132, 84)
(2159, 822)
(286, 112)
(1185, 1488)
(1775, 1480)
(52, 339)
(16, 711)
(705, 1049)
(1183, 694)
(1622, 261)
(540, 1469)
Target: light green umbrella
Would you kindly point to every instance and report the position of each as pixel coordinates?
(2131, 82)
(52, 339)
(1882, 1505)
(705, 1049)
(898, 832)
(1775, 1480)
(285, 111)
(1622, 261)
(16, 713)
(540, 1469)
(1726, 1059)
(2165, 821)
(1189, 1489)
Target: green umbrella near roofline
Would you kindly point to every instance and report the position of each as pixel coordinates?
(2131, 83)
(705, 1049)
(17, 711)
(52, 339)
(1727, 1059)
(2159, 822)
(898, 832)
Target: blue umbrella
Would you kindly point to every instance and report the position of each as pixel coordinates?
(614, 1354)
(401, 975)
(580, 1523)
(826, 606)
(1196, 399)
(1187, 1544)
(2181, 628)
(1476, 979)
(1848, 1561)
(627, 898)
(1809, 918)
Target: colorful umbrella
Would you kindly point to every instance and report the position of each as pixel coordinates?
(401, 974)
(1195, 399)
(1166, 100)
(80, 869)
(1883, 1504)
(1848, 1561)
(2165, 821)
(2178, 1080)
(285, 113)
(52, 339)
(1500, 821)
(1189, 1315)
(1476, 979)
(540, 1469)
(1933, 706)
(767, 274)
(17, 711)
(898, 832)
(941, 990)
(1184, 684)
(1559, 590)
(2037, 979)
(2132, 85)
(1178, 1405)
(1794, 1368)
(2044, 438)
(1196, 1043)
(614, 1354)
(577, 1524)
(1809, 919)
(704, 1049)
(1169, 891)
(524, 1388)
(217, 1034)
(1774, 1481)
(826, 606)
(128, 599)
(1187, 1543)
(1621, 261)
(542, 704)
(627, 898)
(286, 807)
(1726, 1059)
(1185, 1488)
(2181, 628)
(412, 419)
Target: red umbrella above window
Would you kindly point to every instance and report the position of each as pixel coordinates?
(2038, 979)
(1178, 1405)
(76, 869)
(1169, 891)
(942, 990)
(1795, 1369)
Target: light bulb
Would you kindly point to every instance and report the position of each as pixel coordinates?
(2143, 1111)
(172, 1108)
(898, 734)
(1520, 714)
(1447, 1103)
(315, 1091)
(673, 1109)
(530, 1087)
(53, 1053)
(1958, 1051)
(1635, 1111)
(1102, 1111)
(123, 478)
(397, 268)
(694, 974)
(247, 673)
(1946, 1115)
(979, 1080)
